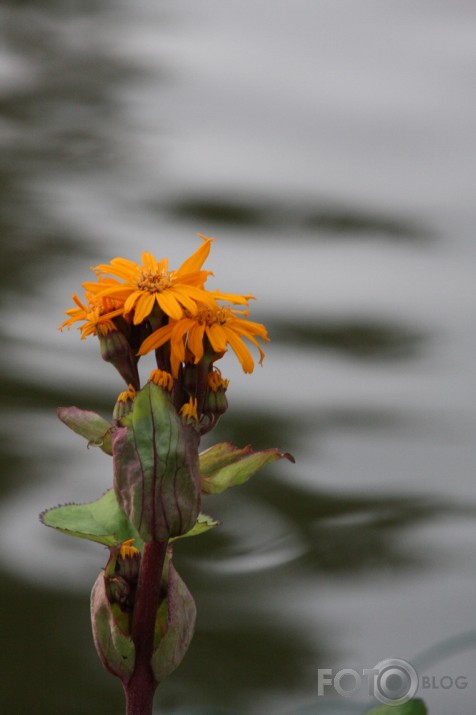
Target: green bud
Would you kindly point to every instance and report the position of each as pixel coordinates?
(121, 575)
(175, 624)
(114, 646)
(89, 425)
(116, 349)
(215, 403)
(128, 563)
(118, 591)
(156, 478)
(124, 404)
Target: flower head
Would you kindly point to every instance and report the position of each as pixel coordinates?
(96, 313)
(142, 287)
(220, 326)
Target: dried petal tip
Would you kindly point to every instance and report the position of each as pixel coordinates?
(188, 411)
(124, 403)
(163, 379)
(216, 381)
(127, 551)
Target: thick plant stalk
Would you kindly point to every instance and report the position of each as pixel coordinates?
(140, 688)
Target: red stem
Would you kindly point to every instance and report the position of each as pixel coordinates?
(141, 686)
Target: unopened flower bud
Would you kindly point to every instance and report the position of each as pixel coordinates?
(121, 574)
(118, 591)
(215, 402)
(116, 349)
(124, 403)
(128, 561)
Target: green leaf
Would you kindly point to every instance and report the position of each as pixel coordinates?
(93, 427)
(412, 707)
(203, 523)
(224, 465)
(102, 521)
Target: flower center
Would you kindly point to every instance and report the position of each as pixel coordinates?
(153, 282)
(212, 317)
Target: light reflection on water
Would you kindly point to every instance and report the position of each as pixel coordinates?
(129, 129)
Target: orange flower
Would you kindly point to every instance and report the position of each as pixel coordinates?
(97, 315)
(143, 286)
(221, 326)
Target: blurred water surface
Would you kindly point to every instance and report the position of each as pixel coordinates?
(331, 149)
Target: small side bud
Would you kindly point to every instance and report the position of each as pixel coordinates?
(124, 403)
(128, 561)
(215, 403)
(118, 591)
(116, 349)
(89, 425)
(121, 575)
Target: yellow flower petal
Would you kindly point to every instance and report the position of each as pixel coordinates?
(156, 340)
(217, 337)
(241, 351)
(197, 259)
(195, 341)
(170, 305)
(143, 307)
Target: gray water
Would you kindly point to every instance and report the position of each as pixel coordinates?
(330, 148)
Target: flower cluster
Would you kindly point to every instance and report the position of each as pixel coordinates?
(137, 308)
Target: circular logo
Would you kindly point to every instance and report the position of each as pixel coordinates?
(396, 681)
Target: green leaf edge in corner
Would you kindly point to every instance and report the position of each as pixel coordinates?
(412, 707)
